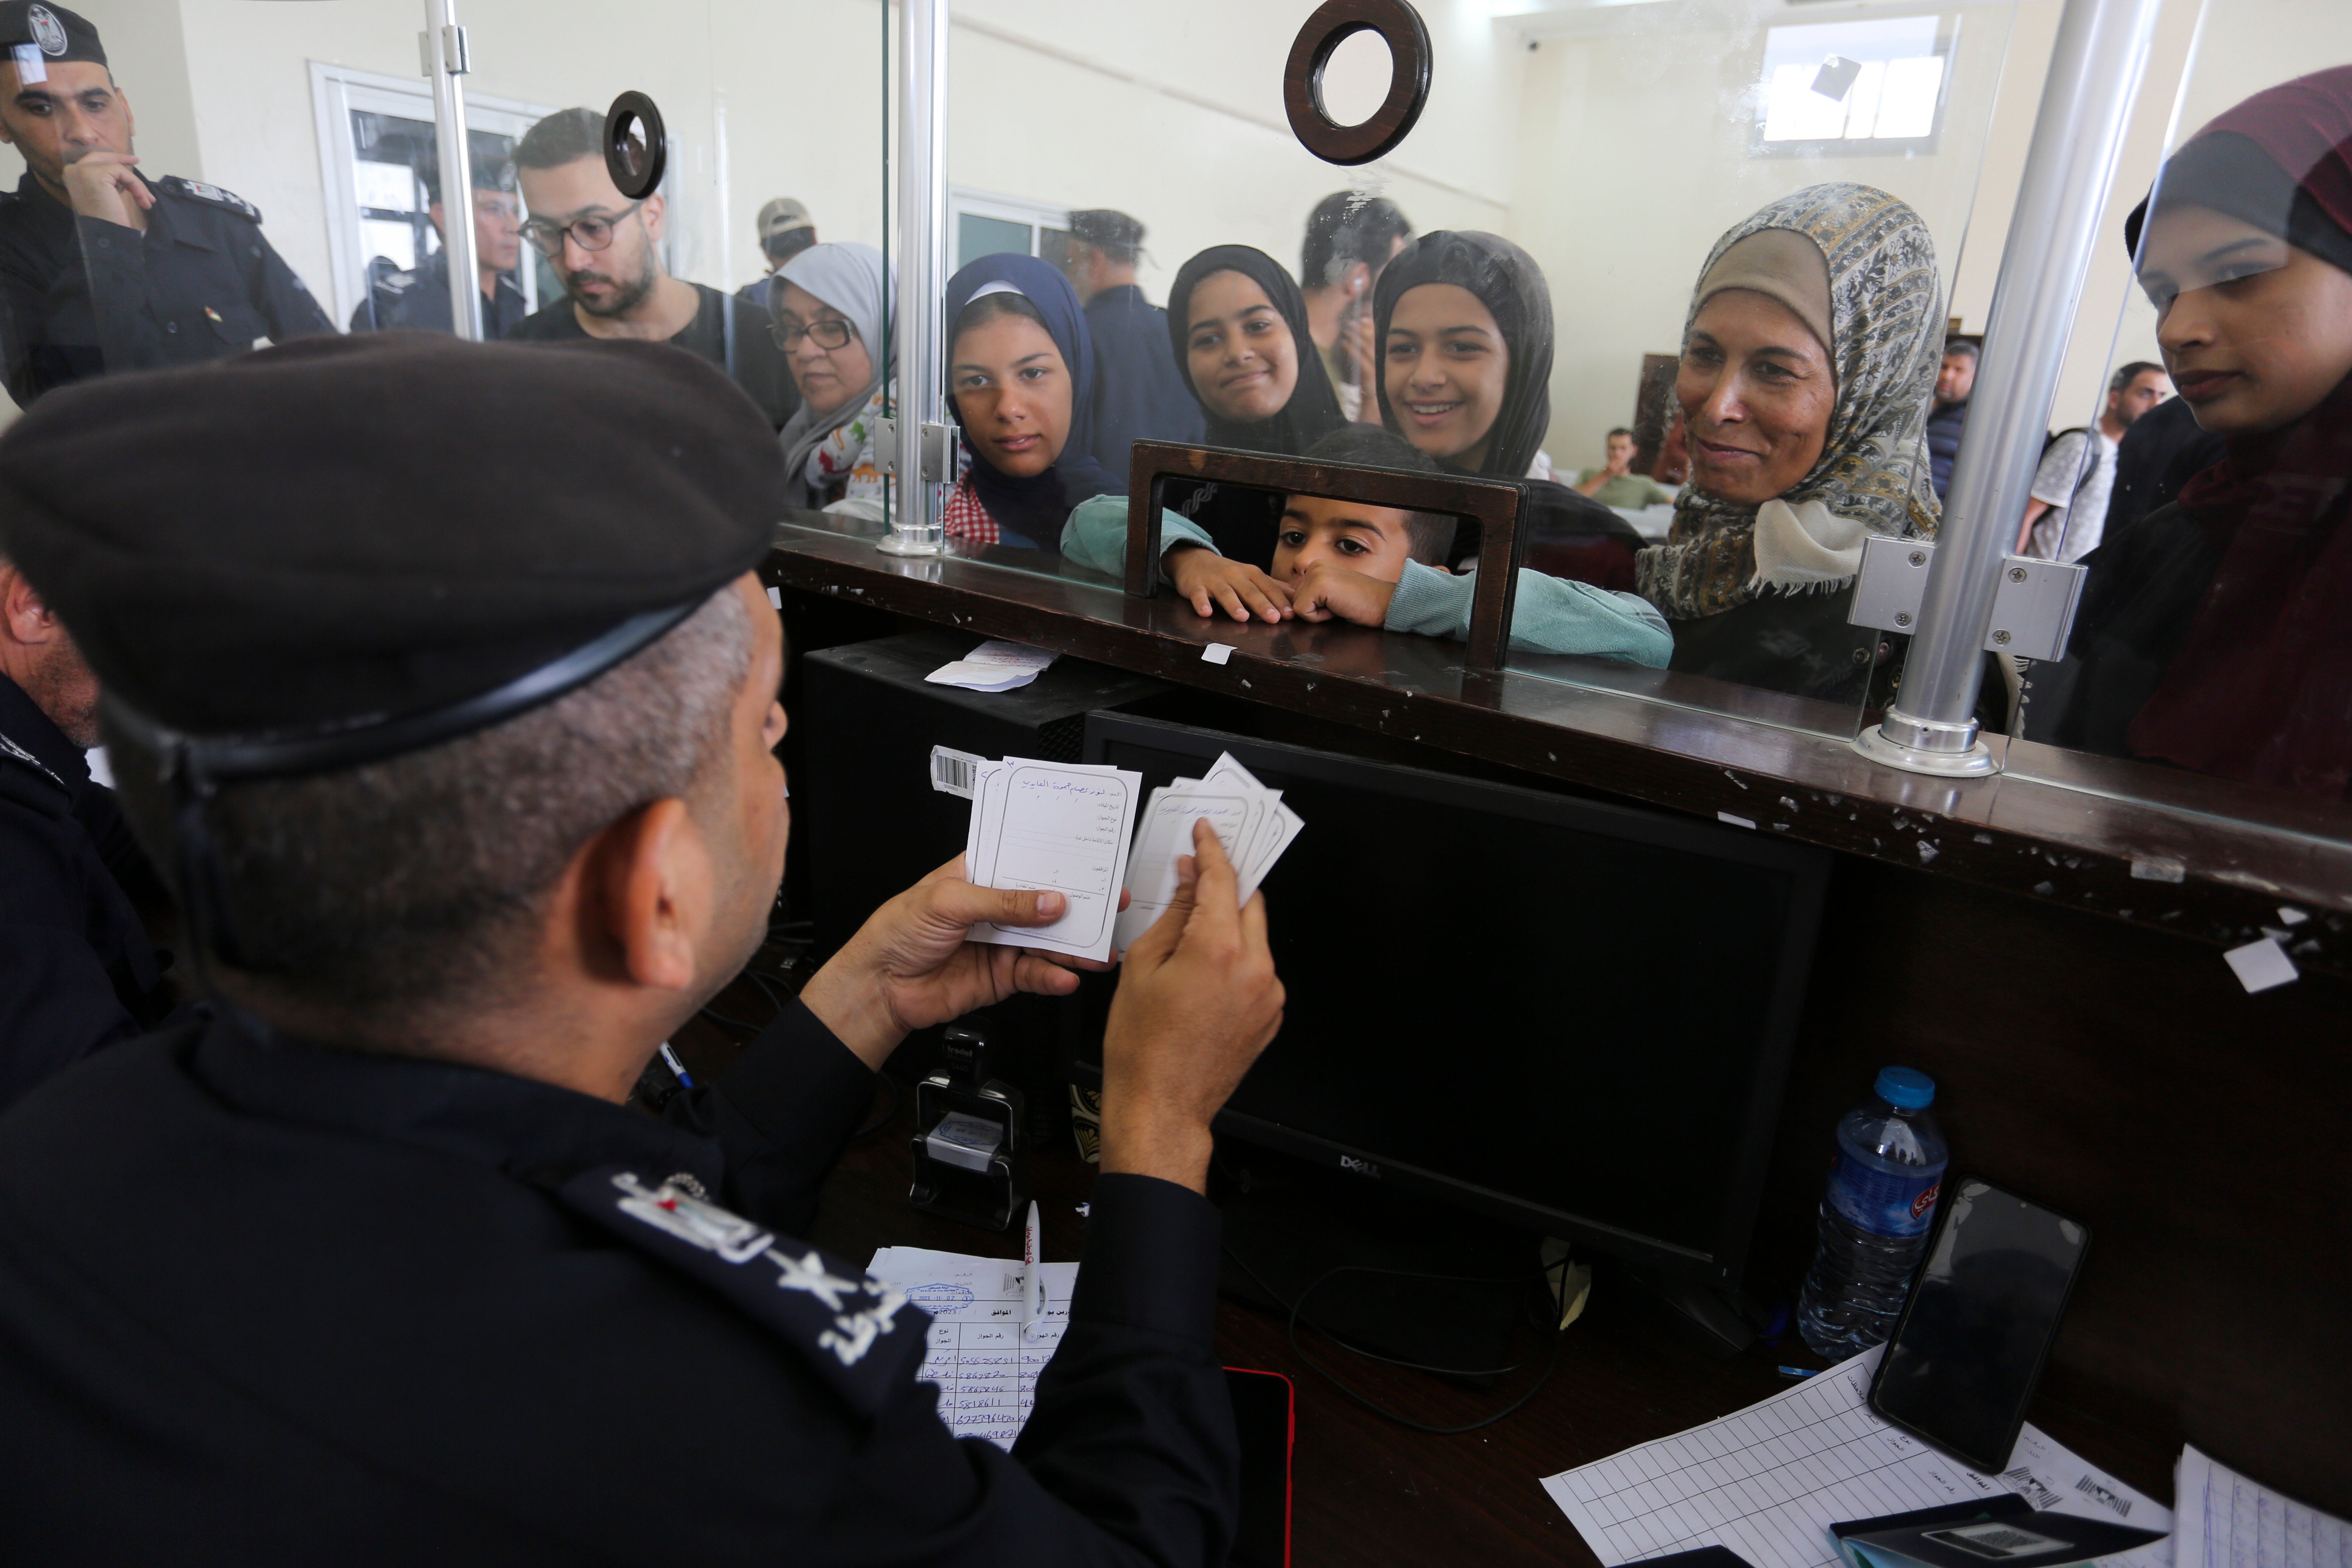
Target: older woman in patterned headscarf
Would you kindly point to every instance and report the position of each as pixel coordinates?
(1807, 371)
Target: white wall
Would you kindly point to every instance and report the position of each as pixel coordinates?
(1616, 149)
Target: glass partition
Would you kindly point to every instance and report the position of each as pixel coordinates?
(1504, 294)
(288, 183)
(2199, 469)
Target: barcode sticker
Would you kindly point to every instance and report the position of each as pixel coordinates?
(953, 772)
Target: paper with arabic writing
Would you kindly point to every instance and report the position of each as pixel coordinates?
(985, 1365)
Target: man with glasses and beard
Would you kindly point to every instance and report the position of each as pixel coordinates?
(606, 251)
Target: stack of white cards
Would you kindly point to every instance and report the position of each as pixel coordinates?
(994, 666)
(1248, 819)
(1066, 826)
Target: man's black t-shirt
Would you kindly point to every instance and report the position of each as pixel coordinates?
(726, 330)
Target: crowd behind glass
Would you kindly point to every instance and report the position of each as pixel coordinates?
(1819, 398)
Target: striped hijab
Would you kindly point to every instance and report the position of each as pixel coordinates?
(1887, 323)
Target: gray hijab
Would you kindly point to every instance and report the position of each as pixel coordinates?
(1886, 340)
(855, 280)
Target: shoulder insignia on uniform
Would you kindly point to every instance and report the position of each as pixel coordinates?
(211, 195)
(861, 1336)
(16, 763)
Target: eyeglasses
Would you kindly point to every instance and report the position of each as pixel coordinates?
(830, 333)
(590, 232)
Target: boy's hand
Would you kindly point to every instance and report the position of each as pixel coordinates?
(1328, 592)
(1206, 580)
(1199, 1000)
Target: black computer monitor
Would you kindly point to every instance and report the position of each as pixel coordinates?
(1569, 1015)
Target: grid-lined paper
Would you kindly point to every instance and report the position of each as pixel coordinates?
(1768, 1481)
(2228, 1522)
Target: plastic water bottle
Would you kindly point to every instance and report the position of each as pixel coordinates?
(1875, 1216)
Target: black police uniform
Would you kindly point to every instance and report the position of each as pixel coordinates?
(418, 299)
(264, 1302)
(76, 970)
(262, 1297)
(87, 296)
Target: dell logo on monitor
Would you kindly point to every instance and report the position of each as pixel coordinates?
(1360, 1167)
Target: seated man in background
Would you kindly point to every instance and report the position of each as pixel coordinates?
(1374, 565)
(76, 970)
(606, 250)
(372, 1265)
(1614, 482)
(419, 298)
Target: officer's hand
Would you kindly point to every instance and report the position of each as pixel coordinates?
(100, 185)
(1327, 591)
(1199, 1000)
(910, 966)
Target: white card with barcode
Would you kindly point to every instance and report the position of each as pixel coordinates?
(1058, 827)
(954, 772)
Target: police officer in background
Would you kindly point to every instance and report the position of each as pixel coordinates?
(106, 270)
(418, 298)
(76, 969)
(373, 1266)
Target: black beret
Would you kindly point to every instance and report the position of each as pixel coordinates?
(58, 32)
(341, 531)
(1105, 227)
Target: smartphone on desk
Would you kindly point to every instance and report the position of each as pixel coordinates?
(1969, 1348)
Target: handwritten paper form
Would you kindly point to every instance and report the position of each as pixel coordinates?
(2228, 1522)
(1768, 1481)
(1061, 825)
(986, 1366)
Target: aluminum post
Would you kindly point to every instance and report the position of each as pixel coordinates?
(445, 52)
(2096, 70)
(922, 275)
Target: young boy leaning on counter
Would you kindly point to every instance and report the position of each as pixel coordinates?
(1374, 565)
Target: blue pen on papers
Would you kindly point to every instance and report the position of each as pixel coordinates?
(1795, 1372)
(670, 1059)
(1033, 1291)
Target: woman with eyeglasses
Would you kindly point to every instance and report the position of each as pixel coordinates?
(605, 250)
(832, 306)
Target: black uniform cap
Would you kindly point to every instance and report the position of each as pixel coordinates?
(371, 544)
(58, 33)
(1106, 228)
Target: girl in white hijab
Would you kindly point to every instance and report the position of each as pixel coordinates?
(832, 310)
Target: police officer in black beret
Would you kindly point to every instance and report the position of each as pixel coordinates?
(471, 805)
(106, 270)
(76, 969)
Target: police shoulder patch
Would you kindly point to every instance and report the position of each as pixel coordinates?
(860, 1336)
(211, 195)
(27, 780)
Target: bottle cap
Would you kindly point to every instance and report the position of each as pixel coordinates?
(1906, 1087)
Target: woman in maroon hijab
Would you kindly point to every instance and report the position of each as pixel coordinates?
(2217, 635)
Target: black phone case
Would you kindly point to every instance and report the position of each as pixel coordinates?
(1983, 1464)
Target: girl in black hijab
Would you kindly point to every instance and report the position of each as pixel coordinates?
(1463, 321)
(1238, 325)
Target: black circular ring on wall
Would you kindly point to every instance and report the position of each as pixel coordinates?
(1302, 80)
(636, 169)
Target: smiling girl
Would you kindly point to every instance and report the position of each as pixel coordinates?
(1464, 324)
(1239, 327)
(2217, 634)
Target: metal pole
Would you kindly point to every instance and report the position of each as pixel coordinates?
(2096, 70)
(922, 275)
(444, 53)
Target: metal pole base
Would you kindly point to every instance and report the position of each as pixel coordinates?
(896, 544)
(1928, 746)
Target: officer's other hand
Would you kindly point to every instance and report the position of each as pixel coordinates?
(101, 185)
(1198, 1001)
(910, 966)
